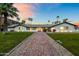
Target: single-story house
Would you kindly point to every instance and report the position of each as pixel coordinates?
(61, 27)
(10, 23)
(16, 28)
(64, 27)
(27, 27)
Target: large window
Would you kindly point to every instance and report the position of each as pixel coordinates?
(64, 29)
(28, 28)
(33, 28)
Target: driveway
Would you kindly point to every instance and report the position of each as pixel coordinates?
(39, 44)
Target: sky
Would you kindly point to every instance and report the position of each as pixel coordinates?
(42, 12)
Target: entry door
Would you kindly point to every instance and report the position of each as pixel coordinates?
(39, 29)
(62, 29)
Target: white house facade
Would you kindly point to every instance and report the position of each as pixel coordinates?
(64, 27)
(17, 28)
(61, 27)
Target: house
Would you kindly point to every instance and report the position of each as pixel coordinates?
(27, 27)
(16, 28)
(9, 23)
(64, 27)
(36, 27)
(61, 27)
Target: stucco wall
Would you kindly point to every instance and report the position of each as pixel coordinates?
(23, 29)
(70, 27)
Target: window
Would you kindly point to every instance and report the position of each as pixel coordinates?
(33, 28)
(28, 28)
(19, 28)
(66, 27)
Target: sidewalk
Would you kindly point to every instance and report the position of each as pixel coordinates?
(40, 44)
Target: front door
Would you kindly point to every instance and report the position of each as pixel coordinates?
(39, 29)
(62, 29)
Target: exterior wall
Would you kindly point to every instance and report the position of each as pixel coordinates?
(18, 29)
(34, 29)
(59, 27)
(10, 29)
(30, 29)
(39, 29)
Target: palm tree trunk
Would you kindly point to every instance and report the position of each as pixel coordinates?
(1, 23)
(5, 23)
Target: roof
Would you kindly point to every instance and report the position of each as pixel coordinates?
(14, 25)
(12, 22)
(63, 23)
(39, 25)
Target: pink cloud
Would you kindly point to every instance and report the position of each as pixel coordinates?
(25, 10)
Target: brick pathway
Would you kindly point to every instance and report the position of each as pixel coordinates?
(39, 44)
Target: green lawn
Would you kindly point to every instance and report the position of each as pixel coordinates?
(10, 40)
(69, 40)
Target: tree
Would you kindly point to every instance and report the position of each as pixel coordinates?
(58, 21)
(23, 22)
(7, 10)
(1, 24)
(49, 21)
(30, 19)
(65, 20)
(58, 16)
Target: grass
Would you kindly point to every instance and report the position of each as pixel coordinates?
(69, 40)
(10, 40)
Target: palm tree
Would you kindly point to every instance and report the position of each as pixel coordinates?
(7, 10)
(58, 21)
(65, 20)
(30, 19)
(23, 22)
(58, 18)
(48, 21)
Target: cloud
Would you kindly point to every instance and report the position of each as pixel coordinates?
(31, 9)
(25, 10)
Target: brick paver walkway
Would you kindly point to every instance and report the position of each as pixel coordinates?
(39, 44)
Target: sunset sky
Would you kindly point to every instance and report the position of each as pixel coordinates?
(49, 11)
